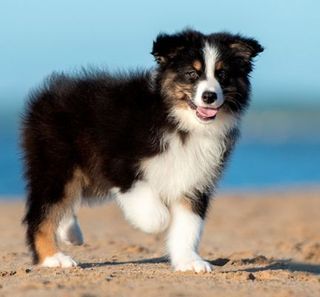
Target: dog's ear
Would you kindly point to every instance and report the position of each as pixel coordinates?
(166, 47)
(246, 48)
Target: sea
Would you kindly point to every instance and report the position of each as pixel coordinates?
(279, 149)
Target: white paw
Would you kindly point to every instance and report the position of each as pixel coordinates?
(59, 260)
(144, 209)
(194, 265)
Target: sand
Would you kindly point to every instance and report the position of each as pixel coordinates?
(262, 244)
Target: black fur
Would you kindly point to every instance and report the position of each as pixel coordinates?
(69, 124)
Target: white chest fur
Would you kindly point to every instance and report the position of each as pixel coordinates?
(185, 166)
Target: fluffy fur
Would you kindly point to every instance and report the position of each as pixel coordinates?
(156, 141)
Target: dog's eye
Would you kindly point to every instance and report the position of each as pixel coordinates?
(193, 75)
(221, 74)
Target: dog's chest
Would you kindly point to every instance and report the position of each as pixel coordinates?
(184, 166)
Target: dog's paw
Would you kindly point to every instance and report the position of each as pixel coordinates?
(59, 260)
(197, 266)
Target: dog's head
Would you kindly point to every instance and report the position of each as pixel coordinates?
(205, 76)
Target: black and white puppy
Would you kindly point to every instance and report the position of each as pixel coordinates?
(155, 141)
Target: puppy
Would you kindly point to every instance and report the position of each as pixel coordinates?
(155, 141)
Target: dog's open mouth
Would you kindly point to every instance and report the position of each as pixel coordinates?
(204, 113)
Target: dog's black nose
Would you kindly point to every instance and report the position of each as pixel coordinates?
(209, 97)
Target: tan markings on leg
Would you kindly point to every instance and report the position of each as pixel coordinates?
(197, 65)
(45, 238)
(45, 242)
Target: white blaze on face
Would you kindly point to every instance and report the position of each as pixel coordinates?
(210, 84)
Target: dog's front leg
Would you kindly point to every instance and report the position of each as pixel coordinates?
(184, 234)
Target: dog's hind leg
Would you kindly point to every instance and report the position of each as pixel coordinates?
(49, 201)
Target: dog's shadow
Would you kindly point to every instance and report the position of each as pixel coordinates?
(158, 260)
(278, 264)
(288, 266)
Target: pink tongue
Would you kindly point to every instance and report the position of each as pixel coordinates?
(207, 112)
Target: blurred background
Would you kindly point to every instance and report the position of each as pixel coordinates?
(280, 145)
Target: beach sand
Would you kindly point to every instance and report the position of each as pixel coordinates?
(262, 244)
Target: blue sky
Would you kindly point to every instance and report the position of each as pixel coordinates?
(38, 37)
